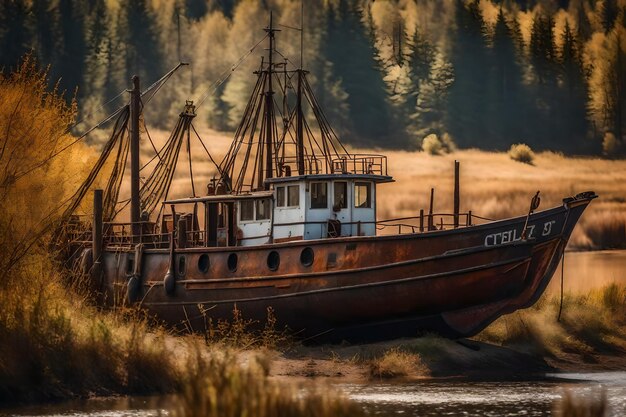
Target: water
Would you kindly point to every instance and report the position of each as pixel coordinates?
(585, 271)
(429, 398)
(446, 398)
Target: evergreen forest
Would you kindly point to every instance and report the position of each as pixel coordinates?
(479, 73)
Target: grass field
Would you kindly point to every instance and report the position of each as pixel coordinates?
(492, 185)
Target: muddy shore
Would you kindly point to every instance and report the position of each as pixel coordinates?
(441, 359)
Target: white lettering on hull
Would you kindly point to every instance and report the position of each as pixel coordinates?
(509, 236)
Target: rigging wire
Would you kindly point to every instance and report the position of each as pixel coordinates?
(227, 73)
(113, 115)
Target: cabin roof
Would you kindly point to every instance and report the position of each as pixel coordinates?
(326, 177)
(222, 197)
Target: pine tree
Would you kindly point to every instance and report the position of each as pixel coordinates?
(542, 123)
(15, 38)
(615, 85)
(420, 59)
(466, 119)
(196, 9)
(505, 103)
(71, 54)
(138, 42)
(370, 112)
(99, 86)
(432, 100)
(572, 123)
(248, 21)
(44, 19)
(608, 14)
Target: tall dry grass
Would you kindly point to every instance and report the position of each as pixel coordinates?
(52, 343)
(218, 386)
(590, 324)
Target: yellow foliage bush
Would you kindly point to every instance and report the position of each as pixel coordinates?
(521, 152)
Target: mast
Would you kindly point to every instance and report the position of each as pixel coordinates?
(299, 116)
(299, 138)
(135, 204)
(269, 107)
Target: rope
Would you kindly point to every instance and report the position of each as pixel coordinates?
(562, 282)
(226, 74)
(205, 149)
(113, 115)
(193, 187)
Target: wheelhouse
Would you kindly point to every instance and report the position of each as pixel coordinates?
(294, 208)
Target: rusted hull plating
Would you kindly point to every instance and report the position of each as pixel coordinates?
(452, 282)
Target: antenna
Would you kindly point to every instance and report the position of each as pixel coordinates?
(178, 34)
(301, 34)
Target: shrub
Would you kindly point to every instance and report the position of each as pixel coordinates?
(521, 152)
(396, 362)
(432, 145)
(448, 142)
(610, 144)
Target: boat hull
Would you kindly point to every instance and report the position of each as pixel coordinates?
(452, 282)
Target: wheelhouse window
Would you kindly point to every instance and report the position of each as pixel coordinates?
(263, 209)
(246, 210)
(319, 195)
(362, 195)
(341, 195)
(293, 195)
(280, 197)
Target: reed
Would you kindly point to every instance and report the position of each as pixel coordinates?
(218, 386)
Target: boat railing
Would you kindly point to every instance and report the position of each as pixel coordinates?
(425, 222)
(118, 236)
(361, 164)
(369, 164)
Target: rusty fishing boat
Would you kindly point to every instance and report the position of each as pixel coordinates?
(289, 222)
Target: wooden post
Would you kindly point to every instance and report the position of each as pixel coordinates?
(182, 232)
(97, 226)
(96, 236)
(135, 204)
(421, 220)
(431, 225)
(457, 198)
(299, 132)
(469, 218)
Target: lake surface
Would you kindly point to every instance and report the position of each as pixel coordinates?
(585, 271)
(449, 398)
(487, 398)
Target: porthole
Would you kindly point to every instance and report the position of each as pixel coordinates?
(181, 265)
(232, 262)
(273, 260)
(307, 256)
(204, 263)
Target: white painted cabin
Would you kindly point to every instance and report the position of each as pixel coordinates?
(309, 207)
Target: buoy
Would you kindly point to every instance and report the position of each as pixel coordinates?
(133, 289)
(169, 282)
